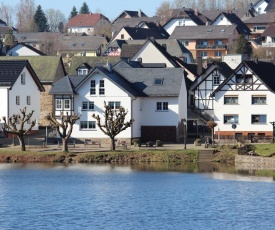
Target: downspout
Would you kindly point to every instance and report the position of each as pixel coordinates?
(132, 131)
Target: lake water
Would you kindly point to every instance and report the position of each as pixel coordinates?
(41, 196)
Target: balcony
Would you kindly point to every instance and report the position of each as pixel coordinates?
(211, 47)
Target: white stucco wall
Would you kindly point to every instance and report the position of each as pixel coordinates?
(3, 102)
(233, 60)
(150, 54)
(171, 25)
(260, 7)
(221, 21)
(23, 90)
(21, 50)
(244, 109)
(124, 33)
(112, 93)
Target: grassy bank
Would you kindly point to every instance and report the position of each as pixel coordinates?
(140, 156)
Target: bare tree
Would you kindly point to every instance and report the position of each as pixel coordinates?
(54, 17)
(25, 11)
(6, 13)
(103, 27)
(182, 3)
(51, 43)
(114, 122)
(64, 127)
(162, 8)
(15, 126)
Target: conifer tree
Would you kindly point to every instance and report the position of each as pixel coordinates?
(41, 20)
(84, 9)
(73, 13)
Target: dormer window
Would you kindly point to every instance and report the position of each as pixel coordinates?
(158, 81)
(82, 71)
(221, 18)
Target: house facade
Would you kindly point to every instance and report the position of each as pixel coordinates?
(19, 88)
(245, 99)
(22, 49)
(154, 98)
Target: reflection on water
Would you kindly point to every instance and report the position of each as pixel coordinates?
(140, 196)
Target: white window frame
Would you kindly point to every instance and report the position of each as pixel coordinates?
(67, 104)
(89, 125)
(58, 104)
(162, 106)
(101, 87)
(261, 100)
(92, 87)
(114, 104)
(90, 105)
(231, 100)
(258, 119)
(234, 118)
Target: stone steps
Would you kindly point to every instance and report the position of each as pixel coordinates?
(206, 155)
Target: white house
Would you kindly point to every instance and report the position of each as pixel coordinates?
(246, 99)
(22, 49)
(154, 97)
(19, 88)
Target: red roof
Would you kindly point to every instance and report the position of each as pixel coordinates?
(84, 20)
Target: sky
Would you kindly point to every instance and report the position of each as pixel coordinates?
(109, 8)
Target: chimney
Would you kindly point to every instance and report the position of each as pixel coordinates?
(139, 13)
(196, 12)
(256, 60)
(199, 65)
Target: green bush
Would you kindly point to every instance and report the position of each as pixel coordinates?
(135, 142)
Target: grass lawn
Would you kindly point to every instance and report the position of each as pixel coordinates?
(265, 149)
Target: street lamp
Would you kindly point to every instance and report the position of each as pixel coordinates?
(273, 124)
(185, 131)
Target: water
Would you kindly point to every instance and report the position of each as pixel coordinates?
(40, 196)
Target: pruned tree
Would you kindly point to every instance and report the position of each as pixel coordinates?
(113, 123)
(15, 125)
(73, 13)
(84, 9)
(212, 125)
(64, 127)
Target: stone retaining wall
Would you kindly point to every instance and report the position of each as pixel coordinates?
(253, 162)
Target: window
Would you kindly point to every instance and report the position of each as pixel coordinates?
(233, 100)
(258, 119)
(58, 104)
(218, 42)
(92, 89)
(258, 100)
(101, 87)
(28, 100)
(114, 104)
(241, 78)
(218, 53)
(229, 119)
(216, 79)
(88, 105)
(158, 81)
(185, 43)
(162, 106)
(23, 79)
(82, 72)
(17, 100)
(203, 54)
(122, 36)
(258, 28)
(86, 125)
(67, 104)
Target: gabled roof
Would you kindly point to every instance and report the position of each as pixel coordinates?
(222, 67)
(211, 15)
(131, 22)
(144, 33)
(261, 69)
(262, 18)
(3, 23)
(234, 19)
(129, 50)
(181, 13)
(130, 14)
(269, 31)
(85, 20)
(29, 47)
(10, 71)
(47, 68)
(203, 32)
(156, 26)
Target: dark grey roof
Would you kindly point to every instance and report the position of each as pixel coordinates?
(271, 6)
(144, 33)
(10, 71)
(131, 14)
(3, 23)
(142, 79)
(128, 51)
(212, 14)
(203, 32)
(131, 22)
(261, 69)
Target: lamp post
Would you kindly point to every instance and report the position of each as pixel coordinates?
(273, 136)
(185, 132)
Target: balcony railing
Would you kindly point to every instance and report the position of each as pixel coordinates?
(211, 46)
